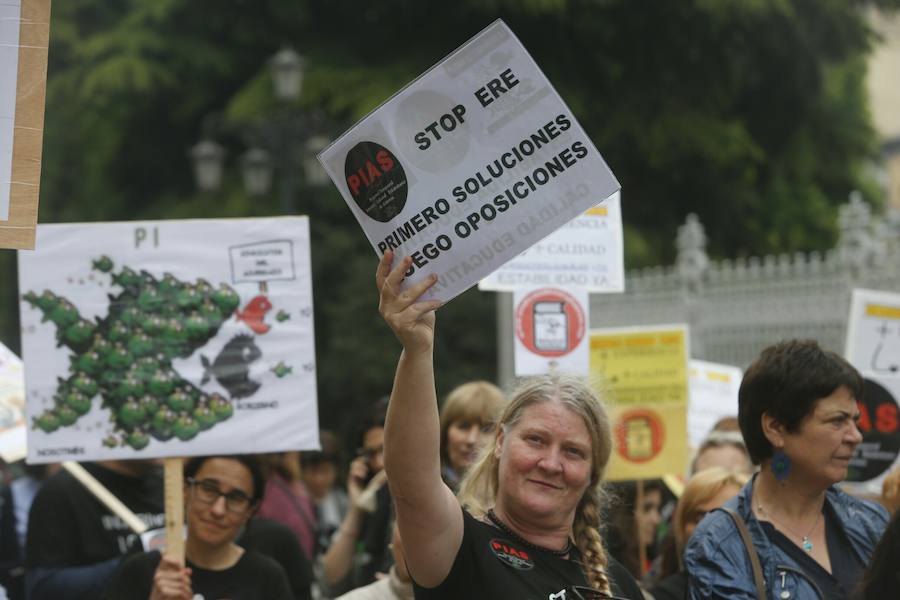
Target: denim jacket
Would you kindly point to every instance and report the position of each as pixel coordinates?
(717, 562)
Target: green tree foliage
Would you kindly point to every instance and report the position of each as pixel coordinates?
(752, 114)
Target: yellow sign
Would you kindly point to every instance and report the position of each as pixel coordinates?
(645, 376)
(884, 312)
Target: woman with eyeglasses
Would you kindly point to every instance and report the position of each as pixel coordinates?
(221, 494)
(797, 408)
(526, 524)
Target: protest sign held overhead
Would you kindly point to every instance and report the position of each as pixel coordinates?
(169, 338)
(24, 42)
(469, 165)
(585, 254)
(644, 371)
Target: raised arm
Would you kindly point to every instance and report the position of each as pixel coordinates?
(428, 513)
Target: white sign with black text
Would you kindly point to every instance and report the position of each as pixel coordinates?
(469, 165)
(585, 253)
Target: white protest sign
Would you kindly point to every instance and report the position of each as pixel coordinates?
(12, 406)
(167, 338)
(713, 395)
(585, 253)
(469, 165)
(873, 347)
(551, 331)
(873, 332)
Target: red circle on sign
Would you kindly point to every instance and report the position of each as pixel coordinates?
(550, 322)
(639, 435)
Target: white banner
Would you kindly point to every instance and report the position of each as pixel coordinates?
(12, 406)
(169, 338)
(713, 395)
(551, 331)
(586, 253)
(468, 165)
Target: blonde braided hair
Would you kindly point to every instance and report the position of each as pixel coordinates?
(478, 490)
(586, 530)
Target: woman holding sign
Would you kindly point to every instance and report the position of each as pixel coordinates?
(529, 522)
(790, 533)
(222, 493)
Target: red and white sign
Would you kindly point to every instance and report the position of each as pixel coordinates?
(551, 331)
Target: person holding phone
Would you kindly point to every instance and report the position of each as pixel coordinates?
(368, 516)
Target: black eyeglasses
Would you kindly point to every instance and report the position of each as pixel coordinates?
(208, 492)
(581, 592)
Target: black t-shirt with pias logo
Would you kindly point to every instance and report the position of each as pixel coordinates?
(490, 566)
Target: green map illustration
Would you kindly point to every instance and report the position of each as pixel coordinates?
(126, 357)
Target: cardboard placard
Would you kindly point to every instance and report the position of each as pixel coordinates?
(713, 395)
(24, 42)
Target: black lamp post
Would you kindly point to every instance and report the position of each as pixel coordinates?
(281, 143)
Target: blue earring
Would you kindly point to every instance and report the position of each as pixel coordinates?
(781, 465)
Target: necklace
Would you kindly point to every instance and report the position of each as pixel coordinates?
(804, 539)
(515, 536)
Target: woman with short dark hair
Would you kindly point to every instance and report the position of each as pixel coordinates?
(797, 411)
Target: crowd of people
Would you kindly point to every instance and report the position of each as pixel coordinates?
(485, 495)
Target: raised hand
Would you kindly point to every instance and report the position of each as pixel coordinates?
(411, 320)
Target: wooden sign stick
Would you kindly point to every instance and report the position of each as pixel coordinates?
(173, 477)
(105, 496)
(638, 509)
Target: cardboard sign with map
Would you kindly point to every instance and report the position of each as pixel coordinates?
(169, 338)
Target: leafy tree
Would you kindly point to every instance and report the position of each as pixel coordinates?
(752, 114)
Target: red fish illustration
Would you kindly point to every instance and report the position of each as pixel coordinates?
(254, 313)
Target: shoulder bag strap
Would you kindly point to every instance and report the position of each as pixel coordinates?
(751, 551)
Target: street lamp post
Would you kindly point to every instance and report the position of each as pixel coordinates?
(280, 144)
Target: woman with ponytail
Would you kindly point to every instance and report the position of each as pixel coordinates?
(526, 523)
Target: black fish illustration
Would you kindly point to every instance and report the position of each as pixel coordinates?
(231, 366)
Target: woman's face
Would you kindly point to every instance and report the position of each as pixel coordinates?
(219, 501)
(648, 517)
(821, 449)
(319, 478)
(693, 518)
(464, 440)
(544, 463)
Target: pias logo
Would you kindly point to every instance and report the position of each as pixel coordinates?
(376, 181)
(509, 555)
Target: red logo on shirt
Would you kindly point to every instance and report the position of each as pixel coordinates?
(510, 555)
